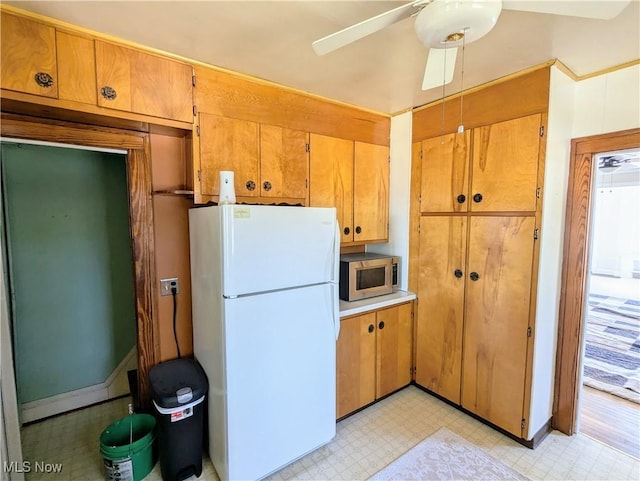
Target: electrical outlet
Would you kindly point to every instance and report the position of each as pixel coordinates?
(167, 284)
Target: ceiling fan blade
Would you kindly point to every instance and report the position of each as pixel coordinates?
(603, 10)
(366, 27)
(441, 64)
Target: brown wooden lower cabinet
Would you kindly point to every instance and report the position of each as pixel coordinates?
(473, 322)
(374, 356)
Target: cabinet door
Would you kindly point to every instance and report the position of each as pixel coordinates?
(497, 318)
(331, 179)
(445, 173)
(441, 285)
(228, 144)
(355, 363)
(284, 162)
(505, 165)
(393, 348)
(371, 192)
(135, 81)
(76, 68)
(28, 56)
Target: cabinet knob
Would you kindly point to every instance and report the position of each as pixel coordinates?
(371, 328)
(43, 79)
(457, 273)
(474, 276)
(461, 198)
(250, 185)
(358, 229)
(381, 325)
(108, 93)
(477, 197)
(346, 231)
(266, 185)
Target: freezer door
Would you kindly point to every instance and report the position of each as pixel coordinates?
(280, 378)
(265, 248)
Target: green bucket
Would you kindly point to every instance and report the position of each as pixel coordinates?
(128, 448)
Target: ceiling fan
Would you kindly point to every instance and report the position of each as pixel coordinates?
(445, 25)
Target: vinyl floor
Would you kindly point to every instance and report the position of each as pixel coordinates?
(364, 444)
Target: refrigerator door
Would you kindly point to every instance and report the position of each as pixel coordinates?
(266, 248)
(280, 379)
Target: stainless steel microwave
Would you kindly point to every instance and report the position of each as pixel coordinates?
(366, 275)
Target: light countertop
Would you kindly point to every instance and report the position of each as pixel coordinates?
(373, 303)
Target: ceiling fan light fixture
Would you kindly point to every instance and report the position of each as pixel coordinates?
(444, 23)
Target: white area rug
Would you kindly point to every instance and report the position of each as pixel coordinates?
(446, 456)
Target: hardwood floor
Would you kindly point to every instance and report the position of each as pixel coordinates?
(611, 420)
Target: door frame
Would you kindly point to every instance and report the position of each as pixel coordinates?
(138, 162)
(575, 270)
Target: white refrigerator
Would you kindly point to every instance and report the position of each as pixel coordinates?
(266, 318)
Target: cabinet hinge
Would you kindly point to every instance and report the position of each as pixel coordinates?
(522, 423)
(195, 110)
(536, 233)
(307, 147)
(306, 183)
(542, 131)
(538, 192)
(199, 175)
(420, 199)
(418, 228)
(529, 331)
(193, 80)
(198, 130)
(421, 155)
(389, 159)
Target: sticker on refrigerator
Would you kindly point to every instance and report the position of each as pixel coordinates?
(242, 212)
(180, 415)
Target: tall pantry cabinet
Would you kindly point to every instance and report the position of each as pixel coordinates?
(480, 203)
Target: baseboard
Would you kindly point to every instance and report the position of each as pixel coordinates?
(116, 385)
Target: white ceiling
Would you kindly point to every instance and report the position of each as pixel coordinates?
(383, 72)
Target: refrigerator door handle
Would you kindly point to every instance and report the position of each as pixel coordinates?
(336, 309)
(335, 277)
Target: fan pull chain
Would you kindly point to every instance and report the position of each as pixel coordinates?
(461, 126)
(444, 78)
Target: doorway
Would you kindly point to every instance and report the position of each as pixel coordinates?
(70, 274)
(610, 397)
(575, 273)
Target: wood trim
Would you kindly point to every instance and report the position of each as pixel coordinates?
(22, 127)
(143, 247)
(45, 104)
(140, 215)
(493, 103)
(574, 271)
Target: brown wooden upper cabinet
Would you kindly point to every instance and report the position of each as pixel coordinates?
(267, 161)
(354, 178)
(28, 56)
(143, 83)
(493, 168)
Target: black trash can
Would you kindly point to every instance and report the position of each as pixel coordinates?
(178, 389)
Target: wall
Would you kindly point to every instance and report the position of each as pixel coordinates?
(71, 275)
(607, 103)
(399, 188)
(171, 226)
(558, 147)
